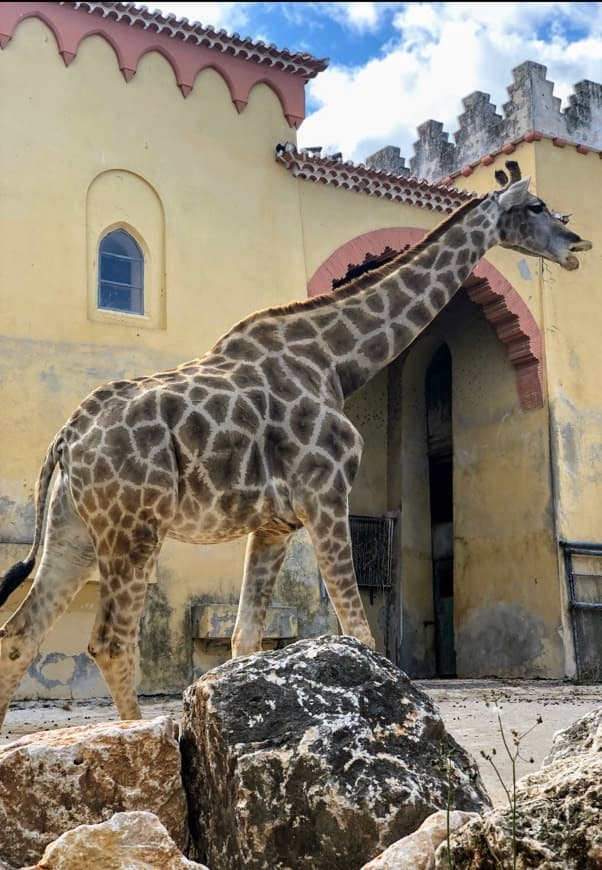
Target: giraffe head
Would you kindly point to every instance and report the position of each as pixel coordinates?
(526, 224)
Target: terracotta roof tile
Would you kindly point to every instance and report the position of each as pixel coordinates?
(296, 63)
(374, 182)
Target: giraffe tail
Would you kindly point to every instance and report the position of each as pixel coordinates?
(21, 570)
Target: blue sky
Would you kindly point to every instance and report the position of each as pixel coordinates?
(395, 65)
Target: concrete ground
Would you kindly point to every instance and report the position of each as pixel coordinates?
(463, 705)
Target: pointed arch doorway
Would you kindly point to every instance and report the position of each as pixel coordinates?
(439, 444)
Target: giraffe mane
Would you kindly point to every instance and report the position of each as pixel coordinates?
(367, 279)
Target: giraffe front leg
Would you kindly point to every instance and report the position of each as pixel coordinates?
(67, 562)
(264, 557)
(330, 535)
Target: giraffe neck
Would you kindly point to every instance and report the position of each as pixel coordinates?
(371, 321)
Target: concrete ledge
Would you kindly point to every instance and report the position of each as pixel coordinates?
(216, 622)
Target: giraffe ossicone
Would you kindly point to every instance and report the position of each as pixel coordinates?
(249, 440)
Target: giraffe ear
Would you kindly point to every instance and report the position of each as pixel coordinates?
(516, 194)
(501, 177)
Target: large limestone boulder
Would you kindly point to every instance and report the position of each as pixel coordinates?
(417, 850)
(559, 812)
(53, 781)
(127, 841)
(319, 755)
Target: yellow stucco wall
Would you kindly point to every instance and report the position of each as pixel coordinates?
(226, 231)
(213, 210)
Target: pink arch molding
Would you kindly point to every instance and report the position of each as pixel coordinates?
(502, 306)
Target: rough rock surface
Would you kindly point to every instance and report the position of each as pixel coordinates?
(319, 755)
(559, 812)
(417, 850)
(53, 781)
(127, 841)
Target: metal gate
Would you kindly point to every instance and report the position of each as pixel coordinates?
(583, 564)
(372, 546)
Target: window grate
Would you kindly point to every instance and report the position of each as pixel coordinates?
(372, 545)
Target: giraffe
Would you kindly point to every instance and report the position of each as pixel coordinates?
(250, 439)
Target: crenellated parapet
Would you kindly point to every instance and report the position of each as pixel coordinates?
(389, 159)
(531, 108)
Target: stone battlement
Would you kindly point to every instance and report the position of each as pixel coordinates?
(532, 107)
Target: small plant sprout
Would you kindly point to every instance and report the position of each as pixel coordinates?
(512, 747)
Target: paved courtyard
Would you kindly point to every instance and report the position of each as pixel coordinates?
(463, 705)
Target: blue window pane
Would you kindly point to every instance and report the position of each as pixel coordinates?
(121, 273)
(121, 243)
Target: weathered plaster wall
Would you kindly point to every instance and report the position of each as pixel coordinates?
(506, 595)
(230, 241)
(369, 496)
(235, 232)
(200, 185)
(572, 303)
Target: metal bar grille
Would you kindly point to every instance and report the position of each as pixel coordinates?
(372, 545)
(584, 584)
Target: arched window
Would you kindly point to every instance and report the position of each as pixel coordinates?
(120, 273)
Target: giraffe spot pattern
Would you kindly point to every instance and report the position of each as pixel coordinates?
(351, 376)
(299, 330)
(438, 299)
(463, 256)
(363, 320)
(217, 407)
(444, 259)
(449, 280)
(340, 338)
(303, 419)
(244, 416)
(240, 348)
(420, 314)
(278, 381)
(428, 257)
(194, 432)
(147, 437)
(455, 237)
(375, 303)
(315, 353)
(376, 348)
(172, 407)
(415, 281)
(268, 335)
(398, 302)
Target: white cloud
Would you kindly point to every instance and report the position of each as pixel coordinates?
(439, 54)
(433, 55)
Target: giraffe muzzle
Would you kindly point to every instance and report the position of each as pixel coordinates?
(581, 245)
(571, 262)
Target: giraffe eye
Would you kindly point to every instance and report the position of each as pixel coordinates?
(537, 208)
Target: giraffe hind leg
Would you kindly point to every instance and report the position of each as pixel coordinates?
(114, 639)
(264, 556)
(67, 561)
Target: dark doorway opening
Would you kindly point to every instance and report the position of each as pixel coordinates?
(438, 390)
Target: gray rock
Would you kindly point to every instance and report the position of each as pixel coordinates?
(319, 755)
(558, 812)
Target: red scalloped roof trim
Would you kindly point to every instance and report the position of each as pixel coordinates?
(188, 48)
